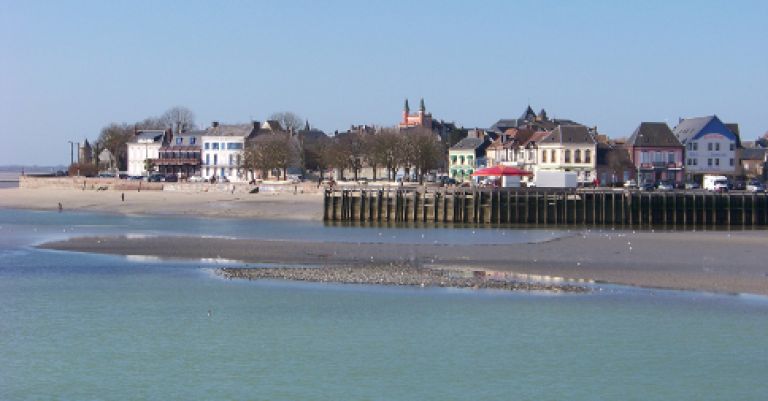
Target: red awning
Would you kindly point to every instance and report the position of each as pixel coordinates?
(498, 171)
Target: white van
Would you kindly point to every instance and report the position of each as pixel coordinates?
(716, 183)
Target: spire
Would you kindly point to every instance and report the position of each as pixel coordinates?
(421, 106)
(306, 125)
(407, 108)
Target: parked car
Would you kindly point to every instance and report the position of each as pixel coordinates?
(61, 173)
(630, 184)
(156, 178)
(646, 186)
(755, 186)
(196, 178)
(106, 175)
(171, 178)
(666, 186)
(135, 178)
(739, 185)
(692, 185)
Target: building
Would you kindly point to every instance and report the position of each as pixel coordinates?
(143, 149)
(467, 156)
(710, 147)
(656, 153)
(614, 166)
(181, 155)
(753, 162)
(569, 148)
(420, 119)
(222, 150)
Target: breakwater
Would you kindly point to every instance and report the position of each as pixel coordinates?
(549, 207)
(394, 275)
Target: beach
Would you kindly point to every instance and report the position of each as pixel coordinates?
(724, 262)
(278, 205)
(717, 261)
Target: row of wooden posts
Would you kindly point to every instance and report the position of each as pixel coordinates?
(548, 207)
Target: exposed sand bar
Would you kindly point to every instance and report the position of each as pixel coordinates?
(200, 204)
(735, 262)
(396, 275)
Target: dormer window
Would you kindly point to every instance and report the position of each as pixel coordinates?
(179, 140)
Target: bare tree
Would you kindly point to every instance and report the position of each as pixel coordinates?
(290, 121)
(179, 118)
(114, 138)
(385, 149)
(271, 151)
(423, 150)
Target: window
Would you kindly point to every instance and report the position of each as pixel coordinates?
(238, 160)
(709, 146)
(588, 156)
(577, 156)
(453, 159)
(717, 147)
(553, 156)
(695, 146)
(215, 145)
(567, 156)
(215, 159)
(230, 159)
(207, 145)
(233, 145)
(717, 162)
(731, 160)
(207, 171)
(179, 140)
(207, 160)
(709, 162)
(733, 147)
(671, 157)
(192, 140)
(544, 156)
(644, 158)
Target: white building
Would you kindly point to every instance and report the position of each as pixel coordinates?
(222, 150)
(569, 148)
(710, 146)
(145, 145)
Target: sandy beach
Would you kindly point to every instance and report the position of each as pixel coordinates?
(709, 261)
(719, 261)
(301, 206)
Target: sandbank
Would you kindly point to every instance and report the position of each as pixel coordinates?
(718, 261)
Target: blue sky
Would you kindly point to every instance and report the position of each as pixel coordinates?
(69, 68)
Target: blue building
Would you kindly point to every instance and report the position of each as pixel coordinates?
(710, 146)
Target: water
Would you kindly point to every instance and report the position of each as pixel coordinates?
(78, 327)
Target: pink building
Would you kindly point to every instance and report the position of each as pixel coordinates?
(656, 153)
(419, 119)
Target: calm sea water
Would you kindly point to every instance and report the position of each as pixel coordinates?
(91, 327)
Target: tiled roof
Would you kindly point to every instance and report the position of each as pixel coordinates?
(569, 134)
(468, 144)
(653, 134)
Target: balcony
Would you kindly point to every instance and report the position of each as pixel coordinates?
(177, 162)
(661, 166)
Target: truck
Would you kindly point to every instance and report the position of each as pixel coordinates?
(716, 183)
(555, 179)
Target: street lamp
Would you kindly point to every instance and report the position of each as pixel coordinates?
(71, 153)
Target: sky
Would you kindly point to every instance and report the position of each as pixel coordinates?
(68, 68)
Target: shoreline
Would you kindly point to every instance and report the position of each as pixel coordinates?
(692, 261)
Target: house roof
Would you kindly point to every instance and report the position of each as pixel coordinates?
(569, 134)
(536, 137)
(148, 136)
(653, 134)
(753, 153)
(689, 127)
(243, 130)
(469, 144)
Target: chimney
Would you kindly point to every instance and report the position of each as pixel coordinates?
(215, 124)
(256, 125)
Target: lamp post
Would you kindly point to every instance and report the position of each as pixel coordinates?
(71, 153)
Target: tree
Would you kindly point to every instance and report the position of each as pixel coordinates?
(423, 150)
(114, 138)
(270, 151)
(384, 149)
(314, 148)
(179, 118)
(290, 121)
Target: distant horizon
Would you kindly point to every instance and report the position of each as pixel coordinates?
(75, 67)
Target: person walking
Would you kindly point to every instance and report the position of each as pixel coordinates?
(123, 196)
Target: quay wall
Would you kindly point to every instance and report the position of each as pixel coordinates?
(548, 207)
